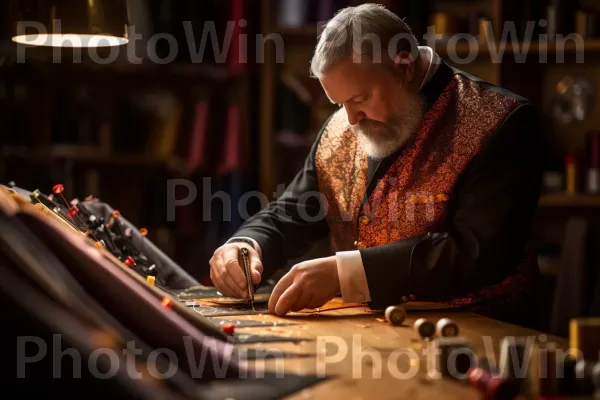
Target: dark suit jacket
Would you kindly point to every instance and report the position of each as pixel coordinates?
(496, 194)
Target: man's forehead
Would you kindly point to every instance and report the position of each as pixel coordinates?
(340, 86)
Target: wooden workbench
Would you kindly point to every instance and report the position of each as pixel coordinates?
(359, 377)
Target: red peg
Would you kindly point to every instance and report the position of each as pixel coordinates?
(129, 261)
(58, 189)
(228, 329)
(116, 214)
(73, 211)
(491, 386)
(143, 231)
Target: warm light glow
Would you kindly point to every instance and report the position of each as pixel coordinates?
(70, 40)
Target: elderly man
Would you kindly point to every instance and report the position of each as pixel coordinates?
(426, 180)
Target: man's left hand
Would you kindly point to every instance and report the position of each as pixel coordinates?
(309, 284)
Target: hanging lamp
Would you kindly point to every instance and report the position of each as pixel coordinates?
(69, 23)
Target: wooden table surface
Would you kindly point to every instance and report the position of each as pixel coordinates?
(369, 358)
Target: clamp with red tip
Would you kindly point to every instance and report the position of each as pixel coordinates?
(115, 215)
(73, 211)
(58, 189)
(229, 329)
(167, 302)
(129, 261)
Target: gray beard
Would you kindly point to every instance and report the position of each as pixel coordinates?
(382, 148)
(393, 135)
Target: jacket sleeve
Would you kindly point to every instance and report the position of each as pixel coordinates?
(290, 225)
(489, 224)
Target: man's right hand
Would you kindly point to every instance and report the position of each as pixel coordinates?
(227, 272)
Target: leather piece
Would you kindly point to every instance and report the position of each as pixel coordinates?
(197, 292)
(222, 311)
(258, 298)
(248, 323)
(331, 305)
(243, 338)
(200, 292)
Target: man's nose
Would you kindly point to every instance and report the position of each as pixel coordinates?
(354, 116)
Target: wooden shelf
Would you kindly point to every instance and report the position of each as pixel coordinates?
(80, 155)
(532, 79)
(566, 200)
(186, 75)
(308, 31)
(549, 266)
(462, 48)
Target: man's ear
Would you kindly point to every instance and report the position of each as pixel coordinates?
(405, 62)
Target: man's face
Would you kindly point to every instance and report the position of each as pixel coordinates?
(381, 108)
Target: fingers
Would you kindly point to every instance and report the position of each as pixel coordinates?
(256, 267)
(233, 274)
(227, 272)
(217, 272)
(288, 299)
(316, 302)
(279, 289)
(256, 277)
(302, 301)
(289, 295)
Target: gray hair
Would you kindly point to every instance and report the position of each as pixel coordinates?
(351, 28)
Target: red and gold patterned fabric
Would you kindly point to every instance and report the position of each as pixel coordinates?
(413, 196)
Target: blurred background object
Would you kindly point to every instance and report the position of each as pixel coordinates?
(573, 100)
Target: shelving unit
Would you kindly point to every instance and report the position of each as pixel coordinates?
(529, 77)
(561, 200)
(91, 156)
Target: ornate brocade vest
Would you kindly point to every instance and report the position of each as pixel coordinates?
(412, 197)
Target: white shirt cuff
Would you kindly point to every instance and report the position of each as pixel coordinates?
(353, 280)
(254, 243)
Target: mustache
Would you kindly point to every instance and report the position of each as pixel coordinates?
(370, 125)
(370, 122)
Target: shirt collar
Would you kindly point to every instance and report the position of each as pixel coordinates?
(438, 75)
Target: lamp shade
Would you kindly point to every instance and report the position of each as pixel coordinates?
(69, 23)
